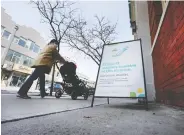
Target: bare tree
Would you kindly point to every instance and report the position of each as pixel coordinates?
(90, 40)
(58, 15)
(65, 28)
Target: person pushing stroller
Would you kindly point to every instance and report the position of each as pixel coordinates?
(42, 65)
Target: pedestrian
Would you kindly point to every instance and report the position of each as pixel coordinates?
(42, 65)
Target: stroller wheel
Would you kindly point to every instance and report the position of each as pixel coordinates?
(58, 94)
(74, 95)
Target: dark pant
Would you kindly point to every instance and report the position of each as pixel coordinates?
(39, 72)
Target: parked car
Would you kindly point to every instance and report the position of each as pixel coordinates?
(56, 86)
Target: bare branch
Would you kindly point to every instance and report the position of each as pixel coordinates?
(66, 28)
(91, 40)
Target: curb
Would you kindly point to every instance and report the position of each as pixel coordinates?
(41, 115)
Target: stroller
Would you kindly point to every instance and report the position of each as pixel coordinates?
(72, 85)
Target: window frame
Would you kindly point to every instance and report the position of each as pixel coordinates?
(4, 36)
(16, 38)
(2, 30)
(33, 46)
(23, 39)
(37, 47)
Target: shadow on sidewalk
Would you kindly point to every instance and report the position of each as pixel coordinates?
(135, 106)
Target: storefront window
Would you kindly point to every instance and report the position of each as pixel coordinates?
(18, 79)
(4, 77)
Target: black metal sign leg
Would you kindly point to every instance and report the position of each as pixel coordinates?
(108, 100)
(92, 100)
(146, 104)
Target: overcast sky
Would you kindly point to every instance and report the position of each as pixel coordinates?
(24, 14)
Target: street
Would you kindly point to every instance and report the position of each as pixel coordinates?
(118, 118)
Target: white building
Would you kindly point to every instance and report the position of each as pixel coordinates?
(24, 48)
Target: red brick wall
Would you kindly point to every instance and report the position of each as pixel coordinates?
(168, 57)
(155, 12)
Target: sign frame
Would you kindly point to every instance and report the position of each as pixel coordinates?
(144, 78)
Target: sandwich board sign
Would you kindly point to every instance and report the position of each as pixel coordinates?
(121, 71)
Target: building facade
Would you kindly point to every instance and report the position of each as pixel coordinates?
(24, 48)
(164, 31)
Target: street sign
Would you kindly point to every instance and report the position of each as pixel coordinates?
(121, 71)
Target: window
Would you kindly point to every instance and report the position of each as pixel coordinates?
(19, 58)
(9, 55)
(31, 62)
(35, 48)
(32, 46)
(2, 30)
(2, 50)
(6, 34)
(25, 60)
(22, 42)
(13, 56)
(28, 44)
(15, 40)
(16, 57)
(17, 80)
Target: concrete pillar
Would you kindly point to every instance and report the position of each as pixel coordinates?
(143, 32)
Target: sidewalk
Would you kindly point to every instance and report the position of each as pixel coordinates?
(114, 119)
(13, 108)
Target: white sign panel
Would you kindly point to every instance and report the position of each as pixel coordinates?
(121, 71)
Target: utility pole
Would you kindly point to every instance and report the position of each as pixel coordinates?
(8, 46)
